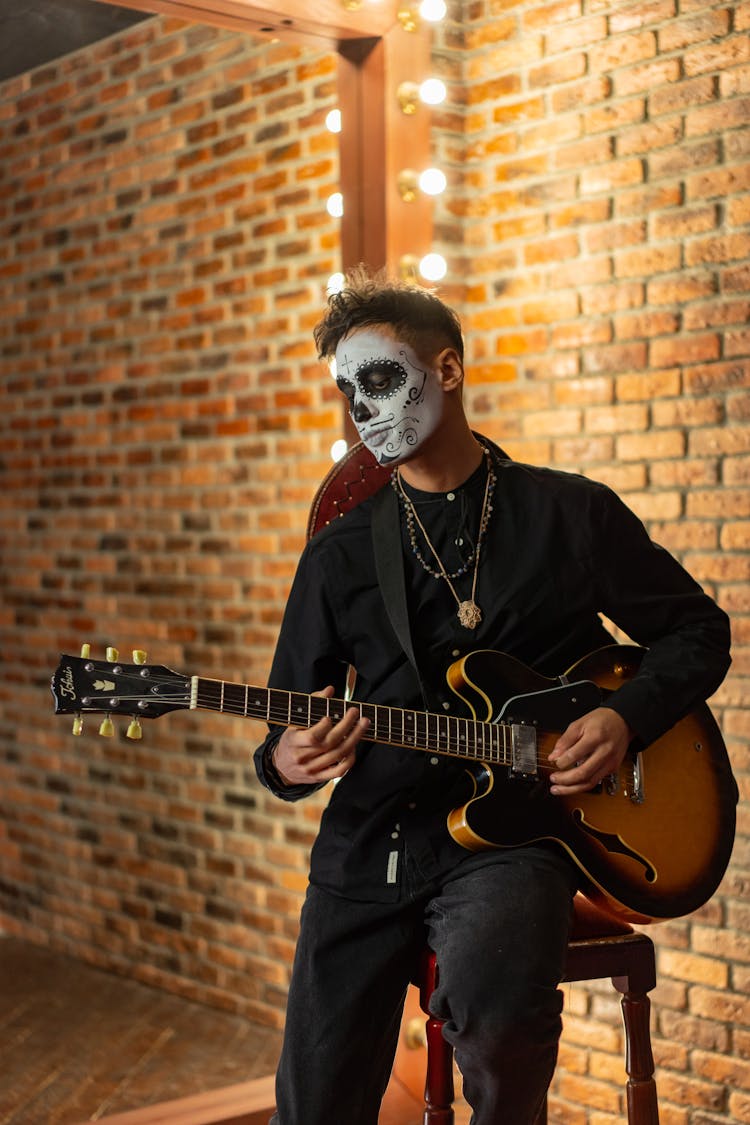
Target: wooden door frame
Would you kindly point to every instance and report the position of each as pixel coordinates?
(377, 140)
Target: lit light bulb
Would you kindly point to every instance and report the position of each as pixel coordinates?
(335, 284)
(432, 91)
(433, 267)
(432, 181)
(335, 205)
(332, 366)
(432, 10)
(333, 121)
(338, 449)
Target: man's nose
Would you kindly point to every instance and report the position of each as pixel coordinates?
(361, 412)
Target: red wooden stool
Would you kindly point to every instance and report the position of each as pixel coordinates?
(600, 946)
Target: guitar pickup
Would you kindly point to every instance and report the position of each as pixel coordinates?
(523, 757)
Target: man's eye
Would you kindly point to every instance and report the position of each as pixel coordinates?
(380, 382)
(382, 378)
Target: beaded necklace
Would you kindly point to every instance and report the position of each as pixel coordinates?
(469, 613)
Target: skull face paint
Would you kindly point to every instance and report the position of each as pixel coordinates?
(395, 399)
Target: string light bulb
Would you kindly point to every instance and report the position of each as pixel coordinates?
(433, 267)
(339, 449)
(333, 121)
(335, 205)
(432, 181)
(433, 10)
(432, 91)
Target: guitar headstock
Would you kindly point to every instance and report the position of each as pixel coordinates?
(82, 685)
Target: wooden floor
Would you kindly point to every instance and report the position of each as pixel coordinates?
(78, 1044)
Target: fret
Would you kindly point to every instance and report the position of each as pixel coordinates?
(221, 701)
(278, 706)
(370, 711)
(421, 729)
(299, 709)
(232, 698)
(497, 737)
(504, 730)
(483, 732)
(256, 702)
(336, 709)
(442, 732)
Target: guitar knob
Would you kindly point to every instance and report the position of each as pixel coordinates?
(112, 655)
(135, 730)
(85, 651)
(107, 728)
(78, 724)
(139, 656)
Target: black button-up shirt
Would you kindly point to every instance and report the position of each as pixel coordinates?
(560, 552)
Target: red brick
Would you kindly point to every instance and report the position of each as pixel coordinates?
(717, 56)
(684, 349)
(646, 77)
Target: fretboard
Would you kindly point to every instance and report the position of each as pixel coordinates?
(394, 726)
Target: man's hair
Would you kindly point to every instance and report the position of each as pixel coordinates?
(412, 314)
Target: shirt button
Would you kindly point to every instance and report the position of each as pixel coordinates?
(394, 835)
(412, 804)
(450, 496)
(456, 652)
(446, 705)
(434, 761)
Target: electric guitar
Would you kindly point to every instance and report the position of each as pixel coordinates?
(653, 840)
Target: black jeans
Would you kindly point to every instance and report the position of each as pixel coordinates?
(499, 925)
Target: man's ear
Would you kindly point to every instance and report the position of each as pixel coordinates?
(450, 369)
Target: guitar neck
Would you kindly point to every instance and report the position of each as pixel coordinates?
(393, 726)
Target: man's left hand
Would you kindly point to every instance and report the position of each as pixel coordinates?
(588, 750)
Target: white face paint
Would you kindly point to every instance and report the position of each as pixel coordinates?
(395, 400)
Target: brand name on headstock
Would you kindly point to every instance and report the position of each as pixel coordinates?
(66, 685)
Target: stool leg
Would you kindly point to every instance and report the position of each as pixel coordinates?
(643, 1108)
(438, 1090)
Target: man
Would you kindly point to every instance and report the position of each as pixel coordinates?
(483, 553)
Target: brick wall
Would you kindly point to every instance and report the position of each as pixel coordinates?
(164, 253)
(598, 217)
(163, 256)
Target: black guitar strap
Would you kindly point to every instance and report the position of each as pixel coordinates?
(389, 566)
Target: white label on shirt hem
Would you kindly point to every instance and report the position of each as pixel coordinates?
(392, 867)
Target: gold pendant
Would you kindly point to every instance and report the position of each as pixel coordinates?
(469, 614)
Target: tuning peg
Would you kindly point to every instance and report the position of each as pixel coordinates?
(85, 651)
(112, 655)
(107, 728)
(135, 730)
(77, 725)
(139, 656)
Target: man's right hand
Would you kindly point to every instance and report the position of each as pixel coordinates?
(322, 752)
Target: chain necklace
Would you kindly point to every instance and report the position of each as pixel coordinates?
(469, 613)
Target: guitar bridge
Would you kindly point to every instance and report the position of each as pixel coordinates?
(523, 759)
